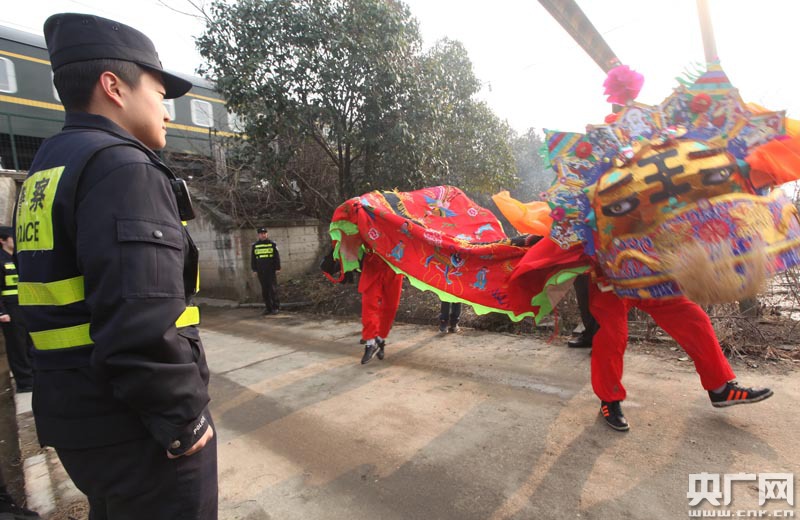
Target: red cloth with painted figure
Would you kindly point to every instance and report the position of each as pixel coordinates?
(681, 318)
(380, 289)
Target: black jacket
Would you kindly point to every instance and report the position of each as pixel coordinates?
(264, 257)
(8, 284)
(142, 375)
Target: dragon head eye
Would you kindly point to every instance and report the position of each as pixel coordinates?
(713, 176)
(621, 207)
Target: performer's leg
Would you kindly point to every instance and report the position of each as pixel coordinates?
(583, 340)
(392, 287)
(444, 316)
(691, 327)
(370, 311)
(609, 344)
(455, 315)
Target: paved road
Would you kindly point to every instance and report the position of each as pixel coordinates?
(468, 426)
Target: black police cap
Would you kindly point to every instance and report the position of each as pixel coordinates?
(73, 37)
(262, 230)
(5, 232)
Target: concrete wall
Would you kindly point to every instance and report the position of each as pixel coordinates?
(225, 253)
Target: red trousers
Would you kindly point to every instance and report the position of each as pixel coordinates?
(380, 290)
(681, 318)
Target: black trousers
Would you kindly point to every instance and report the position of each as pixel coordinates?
(582, 294)
(135, 480)
(18, 347)
(450, 313)
(269, 290)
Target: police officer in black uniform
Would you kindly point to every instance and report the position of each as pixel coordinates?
(106, 275)
(265, 261)
(14, 331)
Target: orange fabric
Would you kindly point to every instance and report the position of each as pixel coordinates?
(775, 162)
(532, 217)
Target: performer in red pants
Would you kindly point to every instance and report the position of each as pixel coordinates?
(380, 289)
(682, 319)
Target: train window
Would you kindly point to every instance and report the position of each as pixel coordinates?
(8, 78)
(169, 104)
(202, 114)
(235, 122)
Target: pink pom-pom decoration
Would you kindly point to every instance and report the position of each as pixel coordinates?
(558, 213)
(622, 84)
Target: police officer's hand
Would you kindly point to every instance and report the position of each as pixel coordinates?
(5, 318)
(207, 436)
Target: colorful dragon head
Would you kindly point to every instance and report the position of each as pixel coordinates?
(658, 182)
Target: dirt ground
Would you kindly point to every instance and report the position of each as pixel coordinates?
(9, 449)
(470, 426)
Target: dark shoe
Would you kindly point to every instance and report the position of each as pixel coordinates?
(443, 326)
(581, 341)
(275, 311)
(369, 351)
(454, 329)
(266, 311)
(735, 394)
(8, 509)
(612, 413)
(381, 354)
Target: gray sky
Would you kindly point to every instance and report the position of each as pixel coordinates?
(533, 74)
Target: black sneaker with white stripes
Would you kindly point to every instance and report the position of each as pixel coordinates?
(369, 350)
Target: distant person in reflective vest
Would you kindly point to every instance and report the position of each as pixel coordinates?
(18, 343)
(265, 261)
(107, 273)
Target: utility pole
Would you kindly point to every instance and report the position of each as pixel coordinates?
(575, 22)
(707, 31)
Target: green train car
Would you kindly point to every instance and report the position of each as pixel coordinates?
(30, 110)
